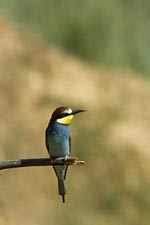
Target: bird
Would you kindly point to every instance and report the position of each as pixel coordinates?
(58, 141)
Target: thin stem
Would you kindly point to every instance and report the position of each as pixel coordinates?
(38, 162)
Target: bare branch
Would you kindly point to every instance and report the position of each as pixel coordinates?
(39, 162)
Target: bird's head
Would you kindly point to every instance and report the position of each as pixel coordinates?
(64, 115)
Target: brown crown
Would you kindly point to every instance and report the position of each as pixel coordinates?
(56, 113)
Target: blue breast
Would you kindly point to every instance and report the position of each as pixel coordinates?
(58, 139)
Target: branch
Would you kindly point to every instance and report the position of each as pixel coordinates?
(39, 162)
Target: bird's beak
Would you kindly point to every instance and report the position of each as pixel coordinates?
(77, 111)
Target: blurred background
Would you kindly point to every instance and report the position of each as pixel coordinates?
(83, 54)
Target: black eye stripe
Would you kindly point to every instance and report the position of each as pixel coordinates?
(63, 115)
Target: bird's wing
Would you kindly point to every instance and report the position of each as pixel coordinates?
(70, 152)
(70, 144)
(46, 139)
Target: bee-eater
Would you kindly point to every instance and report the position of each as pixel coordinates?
(58, 141)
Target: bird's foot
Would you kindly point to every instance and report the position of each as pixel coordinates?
(64, 158)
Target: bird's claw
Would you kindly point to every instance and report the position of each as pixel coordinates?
(65, 158)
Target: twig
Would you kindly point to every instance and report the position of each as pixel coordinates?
(38, 162)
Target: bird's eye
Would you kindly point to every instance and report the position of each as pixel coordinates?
(63, 114)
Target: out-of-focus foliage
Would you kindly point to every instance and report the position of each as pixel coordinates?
(113, 33)
(112, 188)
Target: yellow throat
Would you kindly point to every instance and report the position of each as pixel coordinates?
(65, 120)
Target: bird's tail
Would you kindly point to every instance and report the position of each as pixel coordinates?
(61, 189)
